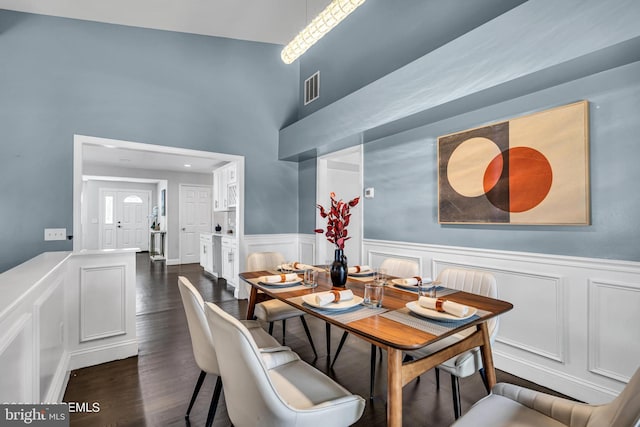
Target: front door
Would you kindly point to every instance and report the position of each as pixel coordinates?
(195, 218)
(124, 219)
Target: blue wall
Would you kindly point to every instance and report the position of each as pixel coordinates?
(60, 77)
(382, 36)
(459, 86)
(403, 170)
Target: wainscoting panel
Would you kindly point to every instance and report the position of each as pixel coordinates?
(16, 361)
(102, 302)
(49, 316)
(614, 306)
(575, 326)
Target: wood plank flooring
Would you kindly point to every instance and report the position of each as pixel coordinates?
(154, 388)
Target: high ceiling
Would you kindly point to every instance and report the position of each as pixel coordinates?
(269, 21)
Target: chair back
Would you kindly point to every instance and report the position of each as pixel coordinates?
(250, 396)
(400, 267)
(623, 411)
(201, 342)
(258, 261)
(475, 282)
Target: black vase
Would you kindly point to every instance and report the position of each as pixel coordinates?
(339, 270)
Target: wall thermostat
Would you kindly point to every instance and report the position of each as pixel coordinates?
(368, 193)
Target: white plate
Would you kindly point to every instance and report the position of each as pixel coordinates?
(399, 283)
(363, 274)
(437, 315)
(290, 282)
(342, 305)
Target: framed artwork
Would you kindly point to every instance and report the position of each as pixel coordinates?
(163, 205)
(528, 170)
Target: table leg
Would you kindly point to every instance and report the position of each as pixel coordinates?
(253, 295)
(487, 356)
(394, 387)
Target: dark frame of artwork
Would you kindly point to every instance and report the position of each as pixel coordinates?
(528, 170)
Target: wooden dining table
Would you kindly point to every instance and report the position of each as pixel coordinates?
(381, 328)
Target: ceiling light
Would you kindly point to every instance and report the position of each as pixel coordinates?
(321, 25)
(187, 165)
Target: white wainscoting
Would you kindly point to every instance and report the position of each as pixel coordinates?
(62, 311)
(575, 326)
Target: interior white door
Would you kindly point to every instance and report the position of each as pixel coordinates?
(341, 173)
(124, 219)
(194, 218)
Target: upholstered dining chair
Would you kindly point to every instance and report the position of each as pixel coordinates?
(271, 311)
(469, 362)
(203, 349)
(511, 405)
(398, 267)
(283, 391)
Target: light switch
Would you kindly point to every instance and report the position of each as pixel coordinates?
(55, 234)
(368, 193)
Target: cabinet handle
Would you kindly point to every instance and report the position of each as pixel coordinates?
(230, 257)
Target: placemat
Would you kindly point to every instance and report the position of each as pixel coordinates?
(343, 316)
(279, 288)
(434, 327)
(440, 290)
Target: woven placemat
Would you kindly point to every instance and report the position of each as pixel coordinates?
(434, 327)
(343, 316)
(440, 290)
(279, 288)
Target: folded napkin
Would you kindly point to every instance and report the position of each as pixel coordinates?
(278, 278)
(359, 269)
(295, 266)
(441, 305)
(410, 281)
(334, 296)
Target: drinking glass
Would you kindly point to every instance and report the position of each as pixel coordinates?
(310, 278)
(373, 293)
(427, 288)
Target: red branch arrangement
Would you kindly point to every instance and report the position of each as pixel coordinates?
(337, 220)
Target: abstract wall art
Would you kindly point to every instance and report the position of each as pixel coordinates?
(528, 170)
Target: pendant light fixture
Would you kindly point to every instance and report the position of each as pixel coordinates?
(331, 16)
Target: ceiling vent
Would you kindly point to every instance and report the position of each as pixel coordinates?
(312, 88)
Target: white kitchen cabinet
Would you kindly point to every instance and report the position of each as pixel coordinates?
(220, 190)
(206, 252)
(229, 254)
(225, 188)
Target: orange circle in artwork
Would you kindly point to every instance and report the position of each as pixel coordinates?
(530, 177)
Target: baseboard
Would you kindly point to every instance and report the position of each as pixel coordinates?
(175, 261)
(102, 354)
(559, 381)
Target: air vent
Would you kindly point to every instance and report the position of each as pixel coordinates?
(312, 88)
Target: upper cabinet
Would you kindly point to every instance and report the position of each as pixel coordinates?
(225, 188)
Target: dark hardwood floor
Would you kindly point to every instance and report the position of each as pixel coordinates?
(154, 388)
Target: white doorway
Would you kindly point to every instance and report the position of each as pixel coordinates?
(341, 173)
(124, 219)
(195, 218)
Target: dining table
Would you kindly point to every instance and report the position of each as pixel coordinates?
(392, 327)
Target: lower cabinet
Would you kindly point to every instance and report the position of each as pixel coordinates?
(208, 254)
(229, 254)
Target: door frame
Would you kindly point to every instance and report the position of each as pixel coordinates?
(80, 140)
(322, 188)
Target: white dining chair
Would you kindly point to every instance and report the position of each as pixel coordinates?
(282, 392)
(203, 348)
(273, 310)
(511, 405)
(469, 362)
(398, 267)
